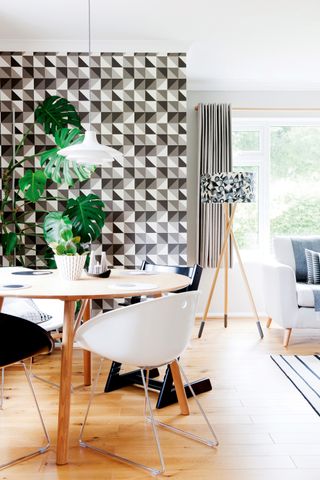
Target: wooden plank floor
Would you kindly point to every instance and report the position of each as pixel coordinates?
(267, 431)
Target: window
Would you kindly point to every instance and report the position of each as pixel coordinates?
(245, 141)
(285, 157)
(246, 225)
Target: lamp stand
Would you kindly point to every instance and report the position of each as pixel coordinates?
(224, 255)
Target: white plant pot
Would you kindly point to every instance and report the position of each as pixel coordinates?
(70, 266)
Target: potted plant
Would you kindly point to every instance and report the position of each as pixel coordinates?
(70, 233)
(59, 120)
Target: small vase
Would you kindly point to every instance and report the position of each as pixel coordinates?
(70, 266)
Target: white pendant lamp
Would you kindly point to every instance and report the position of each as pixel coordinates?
(90, 151)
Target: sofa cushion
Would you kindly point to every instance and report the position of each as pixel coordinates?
(305, 296)
(299, 245)
(313, 266)
(310, 275)
(291, 251)
(25, 308)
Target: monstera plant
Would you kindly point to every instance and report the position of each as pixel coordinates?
(71, 232)
(61, 123)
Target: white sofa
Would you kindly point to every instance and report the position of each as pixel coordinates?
(288, 303)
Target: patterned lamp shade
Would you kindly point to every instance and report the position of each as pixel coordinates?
(227, 187)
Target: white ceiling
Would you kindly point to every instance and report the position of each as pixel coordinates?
(231, 44)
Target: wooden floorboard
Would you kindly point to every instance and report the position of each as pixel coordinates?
(267, 430)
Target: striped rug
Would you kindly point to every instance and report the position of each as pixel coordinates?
(304, 373)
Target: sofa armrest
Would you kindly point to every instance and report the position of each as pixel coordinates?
(280, 293)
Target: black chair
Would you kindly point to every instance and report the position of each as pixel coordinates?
(167, 394)
(194, 273)
(21, 339)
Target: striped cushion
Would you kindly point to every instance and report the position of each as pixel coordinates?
(313, 266)
(25, 308)
(310, 277)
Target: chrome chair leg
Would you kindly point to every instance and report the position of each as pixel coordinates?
(151, 470)
(46, 435)
(93, 391)
(192, 436)
(48, 382)
(145, 396)
(154, 427)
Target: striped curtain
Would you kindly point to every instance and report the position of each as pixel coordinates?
(214, 155)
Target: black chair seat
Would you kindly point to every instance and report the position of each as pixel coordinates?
(21, 339)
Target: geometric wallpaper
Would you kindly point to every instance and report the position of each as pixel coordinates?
(138, 107)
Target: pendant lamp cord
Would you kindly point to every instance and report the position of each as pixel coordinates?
(89, 36)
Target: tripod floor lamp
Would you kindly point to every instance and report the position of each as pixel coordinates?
(228, 188)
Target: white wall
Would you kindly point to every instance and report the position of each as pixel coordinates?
(275, 100)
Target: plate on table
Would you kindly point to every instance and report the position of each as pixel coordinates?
(32, 272)
(134, 286)
(13, 286)
(135, 272)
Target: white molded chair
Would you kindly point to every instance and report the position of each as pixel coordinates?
(147, 335)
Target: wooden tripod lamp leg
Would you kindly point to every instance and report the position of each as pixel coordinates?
(215, 278)
(245, 279)
(226, 267)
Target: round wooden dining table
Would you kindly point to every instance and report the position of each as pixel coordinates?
(120, 284)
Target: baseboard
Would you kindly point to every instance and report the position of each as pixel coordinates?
(232, 316)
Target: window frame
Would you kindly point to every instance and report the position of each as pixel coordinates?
(262, 160)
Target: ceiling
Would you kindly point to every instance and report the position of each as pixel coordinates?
(231, 44)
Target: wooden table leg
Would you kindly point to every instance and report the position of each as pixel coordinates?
(65, 383)
(86, 354)
(180, 391)
(1, 302)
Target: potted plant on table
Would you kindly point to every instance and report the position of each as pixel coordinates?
(70, 233)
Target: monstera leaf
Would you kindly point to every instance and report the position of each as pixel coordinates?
(9, 242)
(33, 184)
(56, 226)
(87, 216)
(57, 167)
(55, 113)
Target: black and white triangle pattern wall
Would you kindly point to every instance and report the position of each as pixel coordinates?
(138, 107)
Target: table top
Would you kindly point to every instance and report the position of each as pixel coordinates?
(121, 283)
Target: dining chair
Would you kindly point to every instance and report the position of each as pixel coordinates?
(48, 327)
(35, 311)
(21, 339)
(165, 387)
(193, 272)
(148, 335)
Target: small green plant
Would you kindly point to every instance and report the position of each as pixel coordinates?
(71, 232)
(59, 235)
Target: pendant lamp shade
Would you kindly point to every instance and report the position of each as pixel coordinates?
(91, 152)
